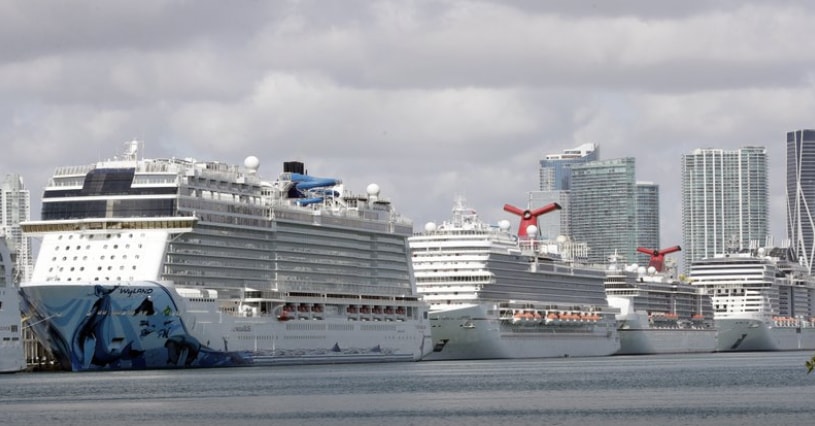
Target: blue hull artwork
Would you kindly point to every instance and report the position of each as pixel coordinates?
(111, 327)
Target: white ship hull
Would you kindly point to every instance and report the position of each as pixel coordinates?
(639, 337)
(749, 334)
(652, 341)
(147, 325)
(12, 358)
(485, 337)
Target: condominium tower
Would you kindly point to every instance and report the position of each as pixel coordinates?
(647, 205)
(555, 181)
(724, 201)
(801, 195)
(603, 209)
(15, 206)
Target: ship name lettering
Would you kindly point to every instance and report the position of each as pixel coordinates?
(134, 291)
(242, 328)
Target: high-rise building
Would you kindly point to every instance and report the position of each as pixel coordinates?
(15, 203)
(555, 181)
(724, 201)
(555, 169)
(647, 205)
(603, 208)
(801, 195)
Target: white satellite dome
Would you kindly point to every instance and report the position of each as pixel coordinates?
(504, 225)
(429, 227)
(761, 251)
(252, 163)
(531, 230)
(641, 270)
(561, 239)
(651, 270)
(372, 189)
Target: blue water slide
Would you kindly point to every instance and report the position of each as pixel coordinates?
(307, 201)
(305, 182)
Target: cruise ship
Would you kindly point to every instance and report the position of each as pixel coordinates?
(494, 295)
(659, 314)
(763, 300)
(12, 358)
(175, 263)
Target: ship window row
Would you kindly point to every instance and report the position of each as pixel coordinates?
(102, 257)
(228, 203)
(107, 208)
(453, 279)
(217, 218)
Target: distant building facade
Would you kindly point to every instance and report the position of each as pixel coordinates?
(15, 203)
(603, 210)
(800, 212)
(554, 183)
(724, 201)
(647, 205)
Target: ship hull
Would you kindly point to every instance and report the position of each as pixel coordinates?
(638, 336)
(469, 333)
(742, 335)
(147, 325)
(652, 341)
(12, 358)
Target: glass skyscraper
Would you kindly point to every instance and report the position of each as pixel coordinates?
(555, 181)
(801, 195)
(647, 204)
(603, 209)
(555, 169)
(15, 203)
(724, 201)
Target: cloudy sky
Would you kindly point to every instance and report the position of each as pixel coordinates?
(429, 99)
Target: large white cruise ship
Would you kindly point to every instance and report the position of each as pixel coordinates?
(659, 314)
(495, 295)
(181, 263)
(12, 358)
(762, 299)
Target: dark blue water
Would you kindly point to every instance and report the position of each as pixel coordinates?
(716, 389)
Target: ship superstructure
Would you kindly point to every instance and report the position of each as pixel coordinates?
(658, 312)
(177, 262)
(762, 299)
(494, 294)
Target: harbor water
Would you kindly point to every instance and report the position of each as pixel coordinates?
(717, 389)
